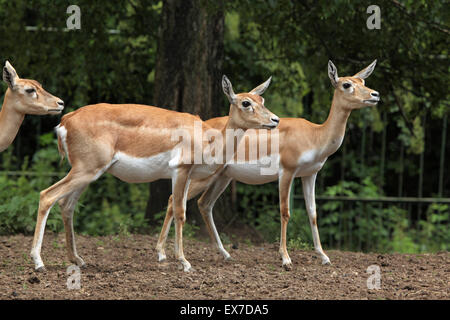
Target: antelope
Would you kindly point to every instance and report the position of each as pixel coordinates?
(303, 149)
(136, 144)
(23, 96)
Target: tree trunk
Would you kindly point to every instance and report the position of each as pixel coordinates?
(188, 72)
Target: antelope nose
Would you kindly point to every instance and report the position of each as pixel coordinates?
(275, 119)
(60, 103)
(375, 94)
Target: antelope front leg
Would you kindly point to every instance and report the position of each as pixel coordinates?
(206, 204)
(67, 205)
(310, 202)
(285, 184)
(180, 185)
(75, 180)
(44, 210)
(195, 187)
(47, 200)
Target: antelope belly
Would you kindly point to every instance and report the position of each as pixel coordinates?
(252, 173)
(135, 170)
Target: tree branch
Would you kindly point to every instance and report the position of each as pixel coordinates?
(412, 15)
(402, 111)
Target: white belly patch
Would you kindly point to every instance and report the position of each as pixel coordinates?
(134, 169)
(263, 171)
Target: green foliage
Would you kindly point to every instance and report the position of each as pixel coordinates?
(355, 226)
(370, 227)
(20, 194)
(189, 230)
(114, 207)
(299, 244)
(290, 40)
(433, 233)
(401, 241)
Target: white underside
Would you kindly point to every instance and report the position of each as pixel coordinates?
(161, 166)
(308, 164)
(250, 173)
(137, 170)
(164, 165)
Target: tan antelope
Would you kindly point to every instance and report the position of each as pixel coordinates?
(22, 97)
(303, 149)
(138, 143)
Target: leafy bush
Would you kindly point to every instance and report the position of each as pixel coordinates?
(108, 206)
(433, 233)
(350, 226)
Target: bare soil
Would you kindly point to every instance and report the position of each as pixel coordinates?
(126, 267)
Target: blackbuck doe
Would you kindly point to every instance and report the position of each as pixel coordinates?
(138, 143)
(22, 97)
(303, 149)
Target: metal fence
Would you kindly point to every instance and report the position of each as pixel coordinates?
(352, 237)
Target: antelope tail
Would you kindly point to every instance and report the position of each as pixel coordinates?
(61, 150)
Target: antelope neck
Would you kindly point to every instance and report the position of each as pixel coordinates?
(10, 121)
(333, 129)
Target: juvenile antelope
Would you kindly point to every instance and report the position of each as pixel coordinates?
(23, 97)
(136, 144)
(303, 149)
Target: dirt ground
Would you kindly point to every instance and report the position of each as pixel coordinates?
(126, 267)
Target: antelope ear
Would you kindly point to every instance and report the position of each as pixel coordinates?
(259, 90)
(10, 75)
(228, 89)
(332, 73)
(364, 73)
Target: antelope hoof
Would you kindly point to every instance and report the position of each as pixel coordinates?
(287, 266)
(186, 266)
(287, 263)
(191, 269)
(78, 261)
(226, 256)
(326, 262)
(40, 269)
(161, 257)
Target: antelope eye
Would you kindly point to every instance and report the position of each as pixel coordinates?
(246, 104)
(31, 90)
(346, 85)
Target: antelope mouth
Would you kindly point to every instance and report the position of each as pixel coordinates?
(269, 126)
(372, 101)
(55, 111)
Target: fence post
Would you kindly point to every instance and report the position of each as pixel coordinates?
(382, 180)
(421, 164)
(441, 164)
(383, 151)
(400, 175)
(363, 146)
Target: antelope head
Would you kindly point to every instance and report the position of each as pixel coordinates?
(351, 91)
(27, 96)
(247, 110)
